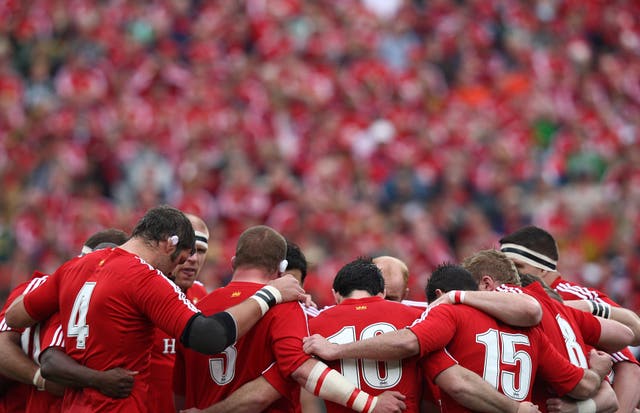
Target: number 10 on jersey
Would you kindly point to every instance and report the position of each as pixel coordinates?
(377, 375)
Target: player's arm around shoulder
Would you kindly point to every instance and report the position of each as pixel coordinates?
(326, 383)
(511, 307)
(394, 345)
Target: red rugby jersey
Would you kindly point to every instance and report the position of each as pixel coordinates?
(109, 303)
(204, 380)
(362, 318)
(507, 357)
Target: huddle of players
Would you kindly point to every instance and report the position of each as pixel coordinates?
(500, 343)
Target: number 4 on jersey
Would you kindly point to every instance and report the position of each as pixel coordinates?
(77, 326)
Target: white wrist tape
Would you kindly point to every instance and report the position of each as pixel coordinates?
(275, 292)
(267, 297)
(456, 296)
(330, 385)
(38, 380)
(586, 406)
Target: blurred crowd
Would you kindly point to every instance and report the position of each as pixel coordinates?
(420, 129)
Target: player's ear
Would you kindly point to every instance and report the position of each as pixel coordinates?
(336, 296)
(487, 283)
(171, 244)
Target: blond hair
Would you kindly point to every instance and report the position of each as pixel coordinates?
(493, 263)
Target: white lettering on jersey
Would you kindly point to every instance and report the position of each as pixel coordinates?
(169, 346)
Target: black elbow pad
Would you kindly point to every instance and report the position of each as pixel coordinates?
(210, 335)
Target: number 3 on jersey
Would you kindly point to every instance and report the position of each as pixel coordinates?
(77, 326)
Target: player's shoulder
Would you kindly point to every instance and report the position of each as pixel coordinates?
(403, 309)
(420, 305)
(573, 291)
(510, 288)
(312, 312)
(287, 308)
(196, 292)
(227, 293)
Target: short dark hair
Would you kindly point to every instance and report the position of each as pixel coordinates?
(260, 247)
(447, 277)
(109, 235)
(296, 260)
(359, 274)
(161, 222)
(535, 239)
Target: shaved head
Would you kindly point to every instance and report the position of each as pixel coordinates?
(396, 277)
(198, 224)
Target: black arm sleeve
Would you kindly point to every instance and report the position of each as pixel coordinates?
(209, 335)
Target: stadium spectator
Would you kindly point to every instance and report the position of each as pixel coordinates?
(542, 96)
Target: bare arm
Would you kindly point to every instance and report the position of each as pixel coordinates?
(625, 384)
(600, 363)
(251, 397)
(310, 403)
(474, 393)
(520, 310)
(14, 363)
(330, 385)
(395, 345)
(614, 336)
(620, 314)
(17, 315)
(605, 401)
(58, 366)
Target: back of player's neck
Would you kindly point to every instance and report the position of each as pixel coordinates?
(140, 248)
(254, 275)
(550, 277)
(357, 294)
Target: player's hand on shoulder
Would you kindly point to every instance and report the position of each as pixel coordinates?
(390, 401)
(528, 407)
(600, 362)
(290, 289)
(320, 346)
(116, 383)
(556, 405)
(308, 301)
(443, 299)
